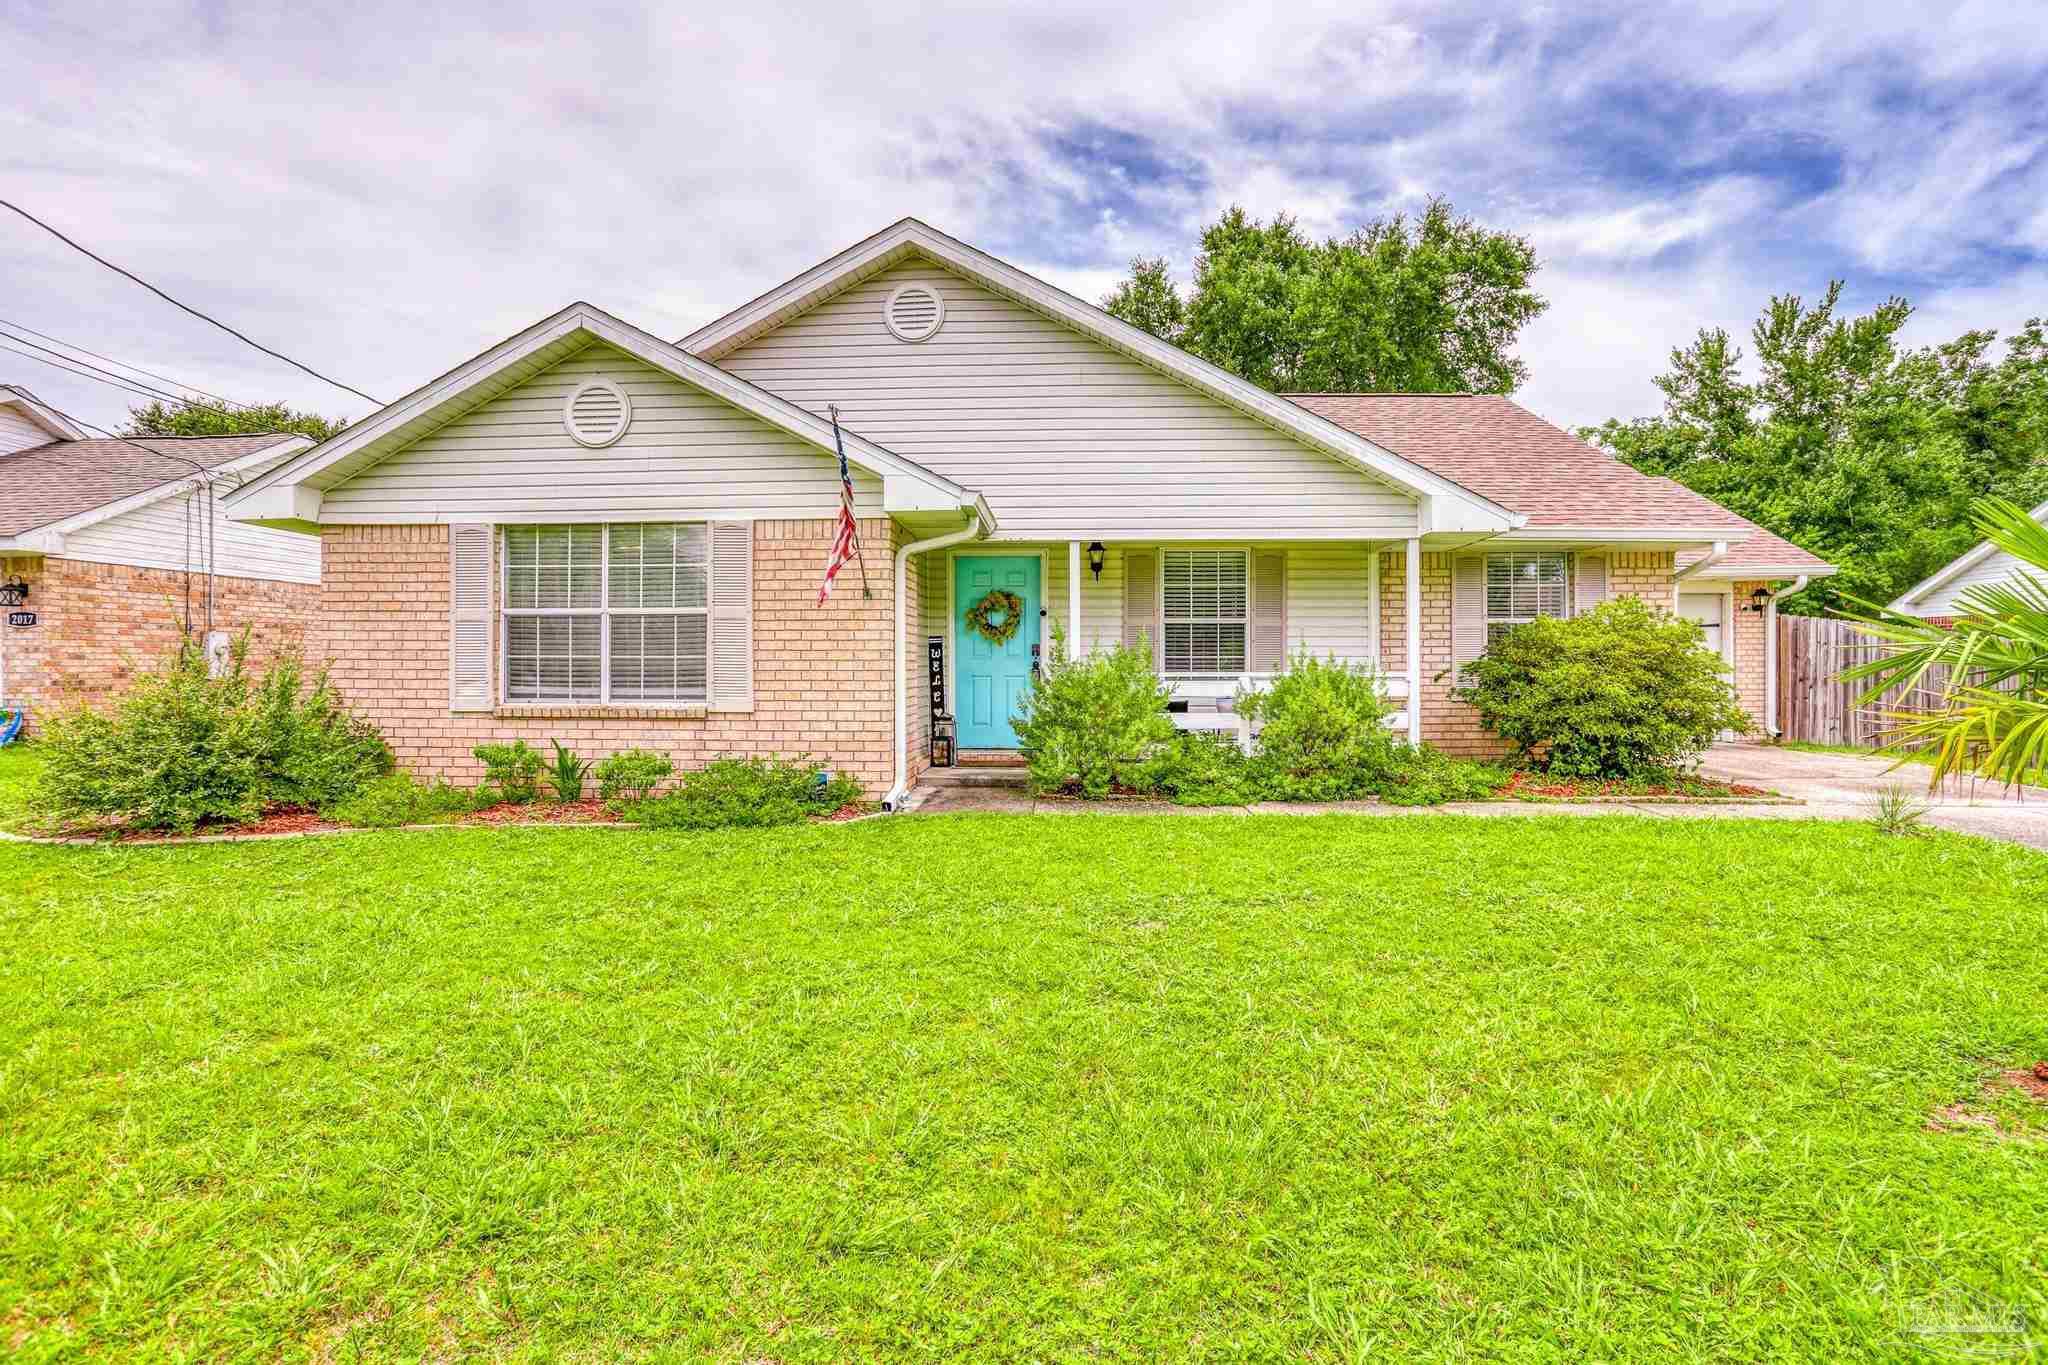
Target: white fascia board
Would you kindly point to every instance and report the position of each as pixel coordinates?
(1759, 573)
(42, 414)
(1956, 567)
(915, 485)
(903, 238)
(43, 541)
(283, 507)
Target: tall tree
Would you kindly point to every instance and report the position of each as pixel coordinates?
(1861, 451)
(1431, 304)
(217, 419)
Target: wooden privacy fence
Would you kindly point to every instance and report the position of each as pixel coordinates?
(1815, 705)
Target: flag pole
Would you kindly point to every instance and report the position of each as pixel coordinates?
(839, 442)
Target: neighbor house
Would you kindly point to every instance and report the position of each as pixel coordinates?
(1939, 596)
(593, 534)
(112, 552)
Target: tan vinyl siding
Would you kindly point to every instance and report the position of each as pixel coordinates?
(1102, 604)
(19, 433)
(686, 456)
(166, 535)
(1061, 434)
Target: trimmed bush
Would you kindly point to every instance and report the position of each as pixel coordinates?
(401, 800)
(747, 793)
(1095, 724)
(1623, 691)
(181, 748)
(632, 775)
(1321, 735)
(512, 769)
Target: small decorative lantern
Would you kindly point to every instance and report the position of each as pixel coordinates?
(942, 742)
(1096, 555)
(13, 593)
(1758, 600)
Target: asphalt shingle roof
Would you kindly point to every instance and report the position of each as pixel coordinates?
(49, 483)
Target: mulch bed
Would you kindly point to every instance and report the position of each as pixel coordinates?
(590, 811)
(1964, 1115)
(1523, 785)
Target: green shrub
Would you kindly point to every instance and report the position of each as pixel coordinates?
(401, 800)
(1097, 723)
(1424, 777)
(1206, 768)
(180, 748)
(514, 769)
(1321, 736)
(1625, 690)
(567, 775)
(632, 774)
(747, 793)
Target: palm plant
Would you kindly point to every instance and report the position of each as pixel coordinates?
(1993, 713)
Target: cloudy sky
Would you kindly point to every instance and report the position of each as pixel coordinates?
(383, 191)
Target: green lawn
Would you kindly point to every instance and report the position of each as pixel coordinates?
(1009, 1087)
(19, 764)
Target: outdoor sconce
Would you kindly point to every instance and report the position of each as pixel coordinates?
(1095, 557)
(13, 593)
(1758, 600)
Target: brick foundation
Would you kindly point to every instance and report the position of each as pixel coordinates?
(98, 625)
(822, 676)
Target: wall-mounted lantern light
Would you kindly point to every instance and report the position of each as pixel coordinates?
(13, 593)
(1095, 557)
(1758, 600)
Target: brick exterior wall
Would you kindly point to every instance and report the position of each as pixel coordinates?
(1749, 657)
(98, 625)
(821, 675)
(1452, 725)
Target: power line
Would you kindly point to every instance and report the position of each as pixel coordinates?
(85, 369)
(83, 350)
(280, 355)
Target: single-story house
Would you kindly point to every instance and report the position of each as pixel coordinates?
(591, 533)
(1938, 597)
(106, 548)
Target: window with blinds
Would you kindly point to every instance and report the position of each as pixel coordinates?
(1204, 606)
(606, 613)
(1522, 586)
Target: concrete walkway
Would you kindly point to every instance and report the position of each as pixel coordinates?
(1826, 786)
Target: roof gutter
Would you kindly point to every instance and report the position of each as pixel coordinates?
(982, 525)
(1705, 561)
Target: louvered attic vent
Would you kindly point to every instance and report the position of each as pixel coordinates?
(597, 413)
(914, 312)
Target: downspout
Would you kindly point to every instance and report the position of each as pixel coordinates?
(1771, 656)
(973, 530)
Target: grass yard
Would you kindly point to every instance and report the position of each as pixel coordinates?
(1017, 1087)
(19, 764)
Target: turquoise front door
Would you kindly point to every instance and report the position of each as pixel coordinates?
(991, 678)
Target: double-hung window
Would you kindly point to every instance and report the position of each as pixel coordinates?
(1522, 586)
(1204, 611)
(606, 613)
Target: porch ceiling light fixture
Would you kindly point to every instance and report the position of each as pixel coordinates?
(13, 593)
(1758, 601)
(1096, 554)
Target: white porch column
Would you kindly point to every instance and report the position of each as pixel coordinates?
(1074, 650)
(1414, 639)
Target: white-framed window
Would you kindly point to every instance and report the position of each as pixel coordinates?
(1522, 585)
(606, 613)
(1205, 608)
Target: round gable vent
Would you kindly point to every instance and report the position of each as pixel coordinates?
(596, 413)
(914, 311)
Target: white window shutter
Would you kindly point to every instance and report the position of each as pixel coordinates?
(1269, 611)
(469, 617)
(1468, 611)
(732, 616)
(1141, 601)
(1592, 589)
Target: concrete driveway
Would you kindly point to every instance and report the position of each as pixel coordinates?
(1842, 786)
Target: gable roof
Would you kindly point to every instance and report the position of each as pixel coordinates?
(64, 480)
(1956, 568)
(1449, 504)
(290, 494)
(59, 426)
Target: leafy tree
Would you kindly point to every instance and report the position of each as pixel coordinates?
(1431, 304)
(1867, 454)
(217, 419)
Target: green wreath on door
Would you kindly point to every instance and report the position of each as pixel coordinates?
(997, 616)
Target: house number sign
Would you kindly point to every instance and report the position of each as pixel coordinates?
(21, 618)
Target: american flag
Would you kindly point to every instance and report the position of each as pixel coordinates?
(846, 544)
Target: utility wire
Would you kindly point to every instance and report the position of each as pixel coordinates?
(280, 355)
(83, 350)
(85, 369)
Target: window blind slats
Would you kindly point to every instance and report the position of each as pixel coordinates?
(580, 629)
(1205, 596)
